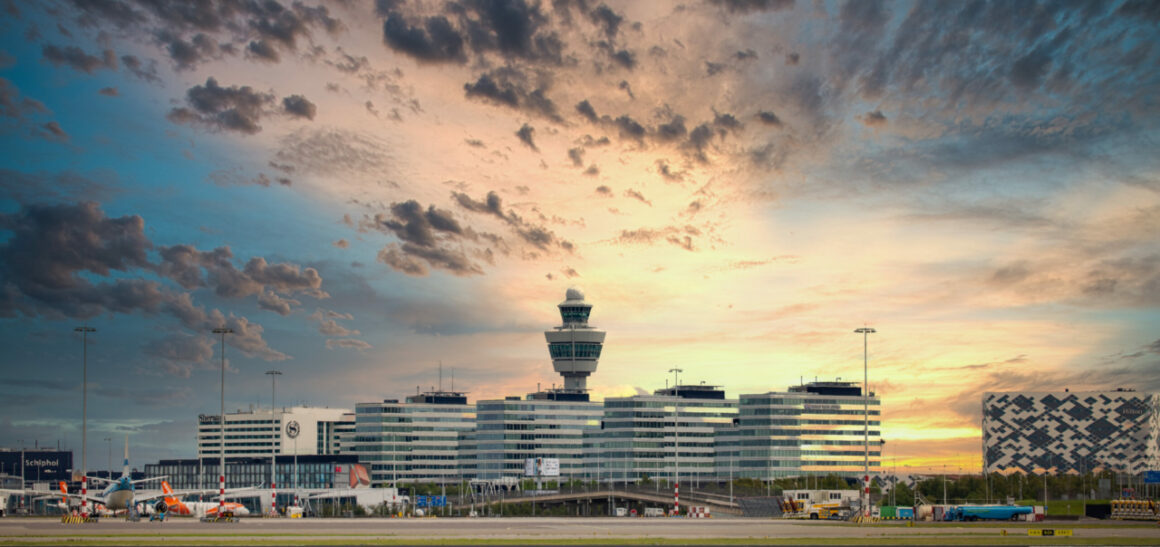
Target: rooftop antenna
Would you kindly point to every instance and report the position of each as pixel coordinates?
(440, 375)
(416, 390)
(452, 378)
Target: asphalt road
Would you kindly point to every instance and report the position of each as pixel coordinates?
(183, 531)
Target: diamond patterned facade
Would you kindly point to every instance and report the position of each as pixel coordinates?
(1071, 431)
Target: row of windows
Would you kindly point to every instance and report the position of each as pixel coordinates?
(574, 350)
(762, 401)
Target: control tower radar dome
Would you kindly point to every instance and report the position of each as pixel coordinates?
(575, 346)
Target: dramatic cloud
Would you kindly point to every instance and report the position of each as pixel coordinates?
(298, 106)
(537, 236)
(76, 58)
(224, 108)
(526, 135)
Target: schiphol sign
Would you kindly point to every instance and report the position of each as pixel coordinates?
(38, 464)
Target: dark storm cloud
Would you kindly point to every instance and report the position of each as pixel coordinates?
(624, 58)
(537, 236)
(585, 109)
(186, 55)
(792, 59)
(108, 91)
(410, 259)
(192, 32)
(487, 87)
(299, 107)
(50, 244)
(76, 58)
(608, 20)
(674, 130)
(509, 87)
(747, 6)
(55, 253)
(224, 108)
(526, 135)
(185, 264)
(577, 156)
(263, 51)
(769, 118)
(435, 40)
(144, 71)
(412, 224)
(630, 128)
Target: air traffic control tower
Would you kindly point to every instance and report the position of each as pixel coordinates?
(574, 346)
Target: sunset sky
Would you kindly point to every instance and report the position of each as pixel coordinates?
(364, 190)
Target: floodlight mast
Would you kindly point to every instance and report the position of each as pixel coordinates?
(865, 332)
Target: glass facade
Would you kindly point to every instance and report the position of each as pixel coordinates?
(658, 436)
(811, 429)
(510, 431)
(412, 441)
(306, 471)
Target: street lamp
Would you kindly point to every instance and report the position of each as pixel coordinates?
(223, 331)
(274, 374)
(676, 441)
(866, 332)
(84, 330)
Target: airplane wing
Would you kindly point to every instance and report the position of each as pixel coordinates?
(230, 493)
(65, 493)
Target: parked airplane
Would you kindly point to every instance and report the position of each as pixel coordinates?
(120, 493)
(197, 508)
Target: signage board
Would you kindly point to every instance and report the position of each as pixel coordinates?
(542, 467)
(1152, 477)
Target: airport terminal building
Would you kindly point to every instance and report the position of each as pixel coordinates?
(816, 428)
(264, 432)
(1071, 431)
(414, 441)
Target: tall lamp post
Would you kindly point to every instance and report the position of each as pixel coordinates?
(109, 440)
(223, 331)
(866, 332)
(676, 441)
(84, 330)
(274, 374)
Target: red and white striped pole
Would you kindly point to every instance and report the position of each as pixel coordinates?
(273, 498)
(221, 493)
(84, 496)
(677, 498)
(866, 491)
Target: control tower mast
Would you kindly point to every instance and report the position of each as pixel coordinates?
(575, 346)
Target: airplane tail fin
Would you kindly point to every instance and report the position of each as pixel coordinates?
(125, 471)
(169, 499)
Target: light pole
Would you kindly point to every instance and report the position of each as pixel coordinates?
(223, 331)
(84, 330)
(866, 332)
(676, 441)
(109, 440)
(277, 431)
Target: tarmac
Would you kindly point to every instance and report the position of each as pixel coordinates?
(516, 530)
